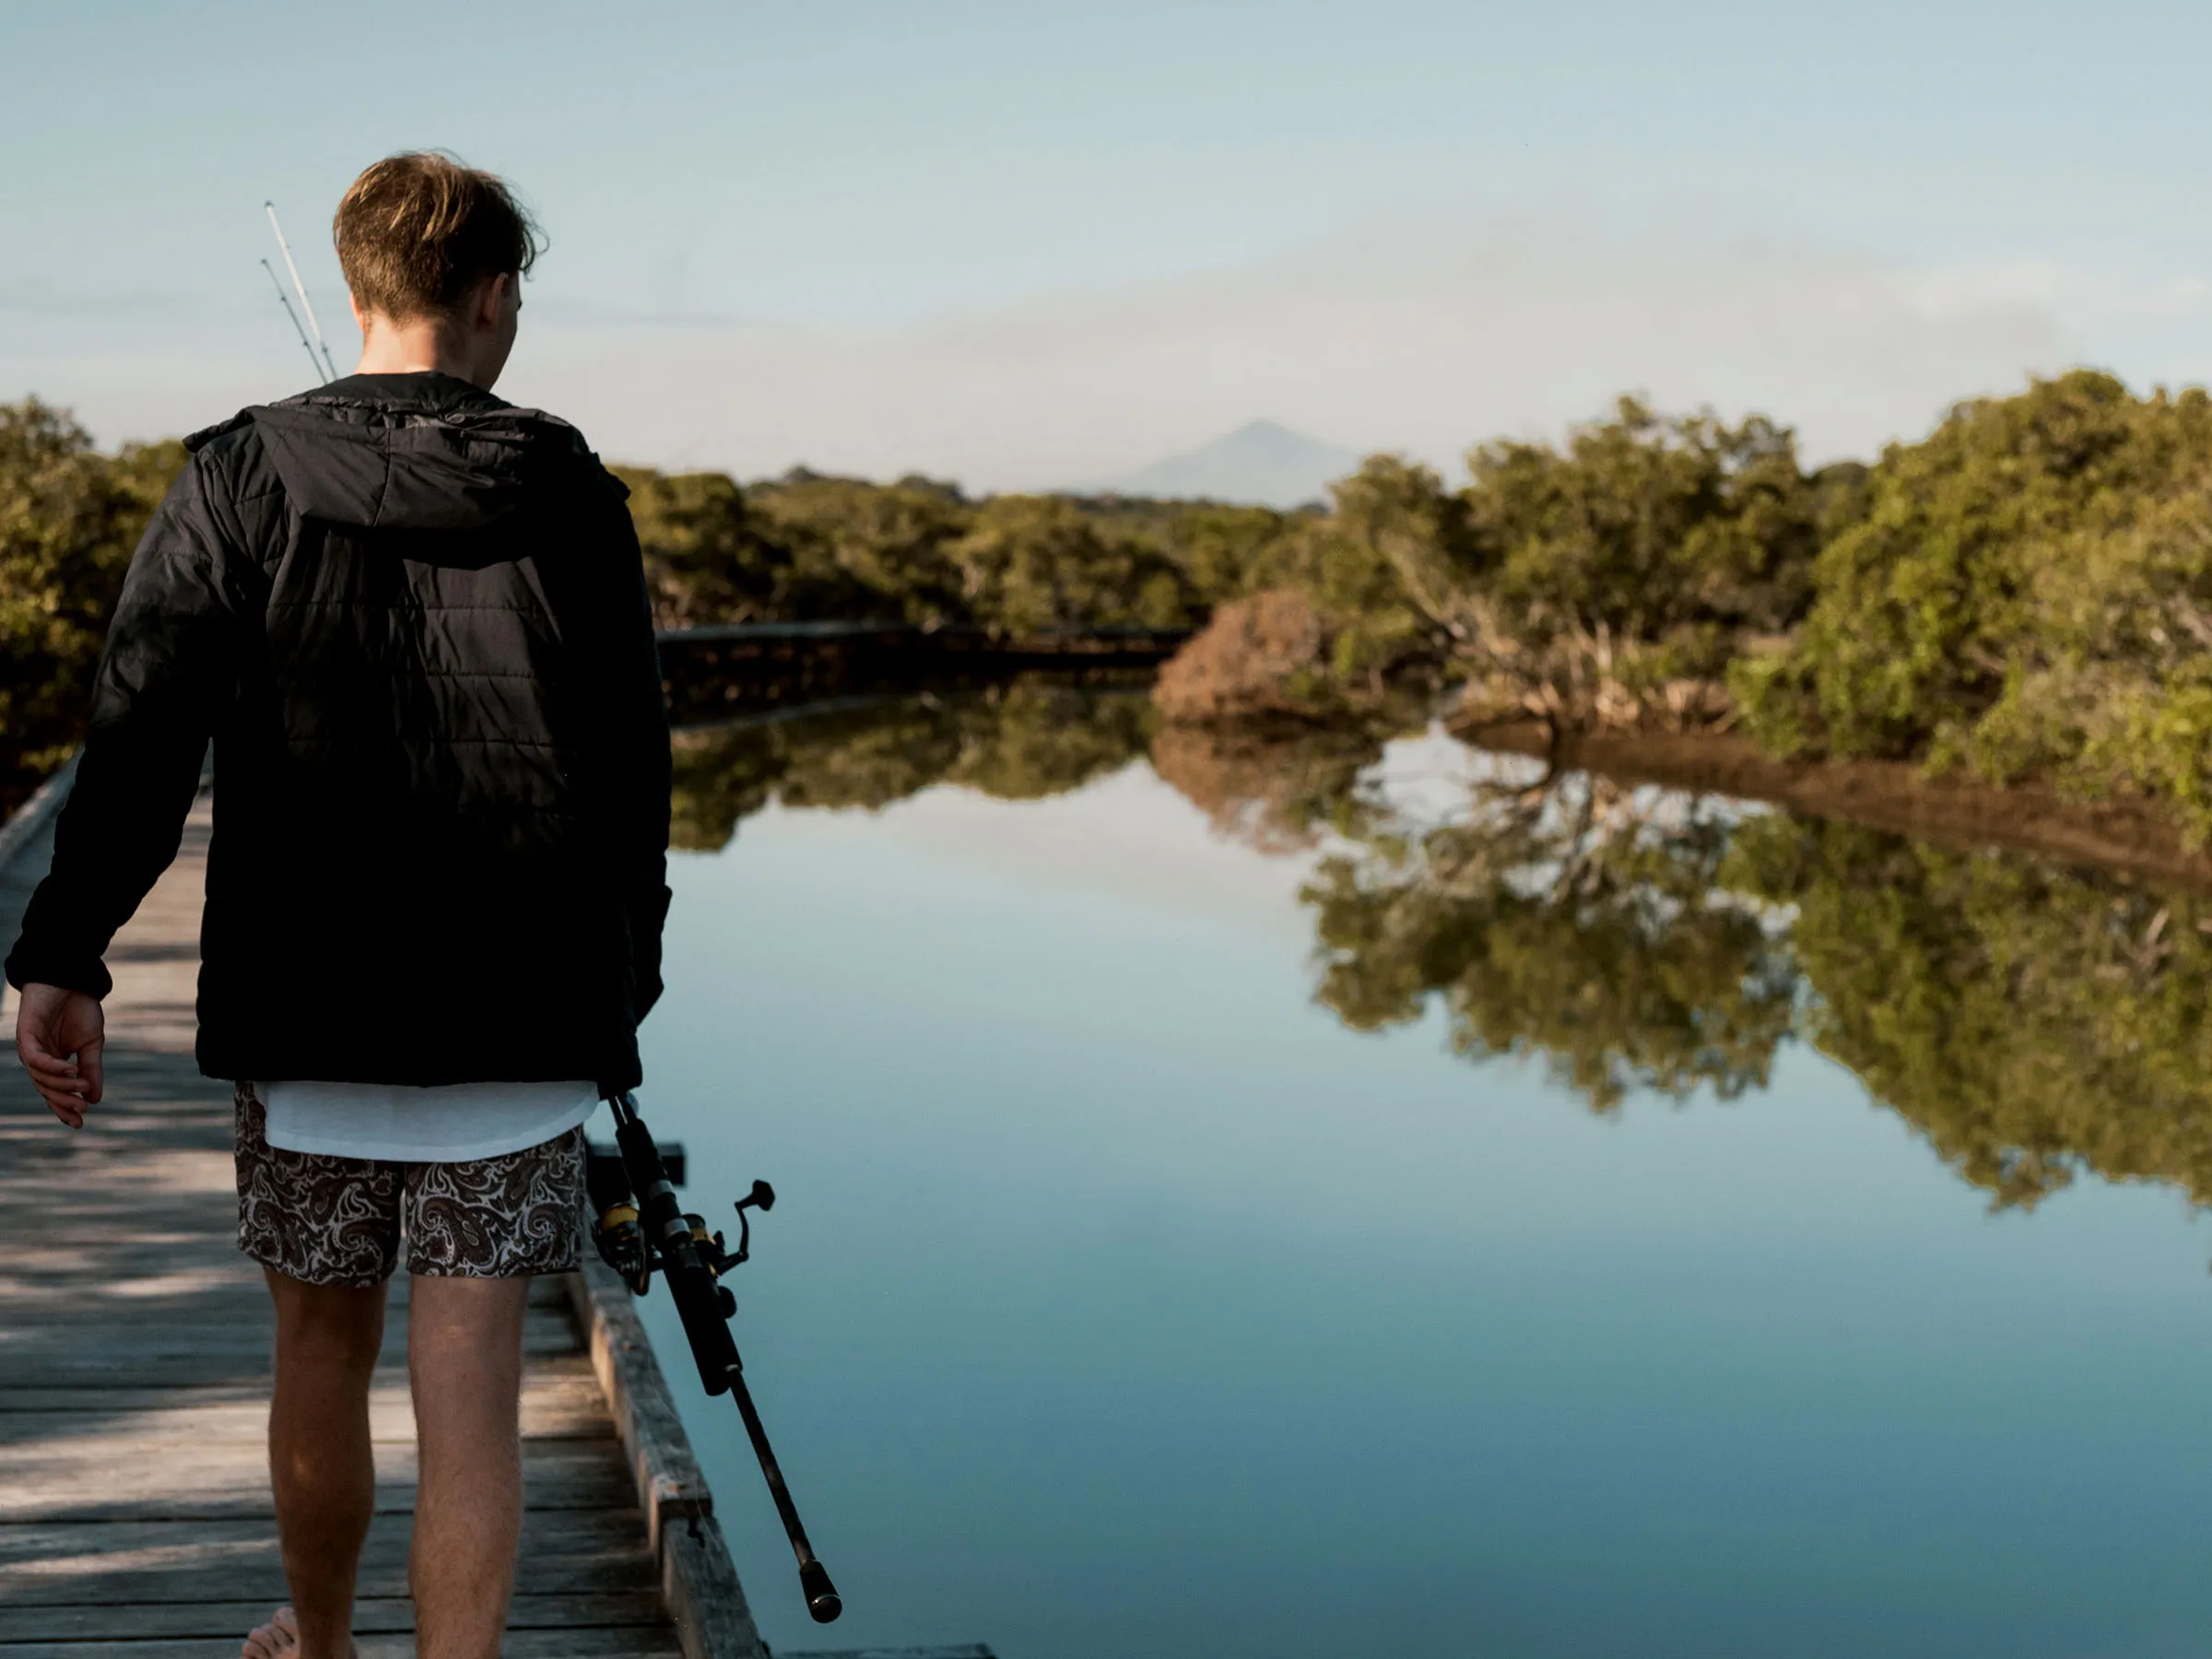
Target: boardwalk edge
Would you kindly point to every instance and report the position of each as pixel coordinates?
(21, 831)
(699, 1582)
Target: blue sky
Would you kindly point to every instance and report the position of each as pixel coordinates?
(1025, 242)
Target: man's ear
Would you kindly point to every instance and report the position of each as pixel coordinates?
(490, 300)
(361, 317)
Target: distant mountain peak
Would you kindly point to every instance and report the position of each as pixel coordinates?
(1263, 462)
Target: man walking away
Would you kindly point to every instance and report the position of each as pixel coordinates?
(411, 619)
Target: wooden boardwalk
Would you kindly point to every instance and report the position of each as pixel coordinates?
(134, 1511)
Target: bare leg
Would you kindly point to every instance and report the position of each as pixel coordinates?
(320, 1464)
(465, 1359)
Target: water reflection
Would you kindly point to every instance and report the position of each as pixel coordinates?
(2030, 1021)
(1021, 741)
(1577, 921)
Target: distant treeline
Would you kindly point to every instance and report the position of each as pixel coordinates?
(808, 548)
(2026, 592)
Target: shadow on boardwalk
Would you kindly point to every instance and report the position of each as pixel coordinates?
(135, 1514)
(135, 1357)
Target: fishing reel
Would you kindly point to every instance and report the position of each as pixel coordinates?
(638, 1227)
(619, 1237)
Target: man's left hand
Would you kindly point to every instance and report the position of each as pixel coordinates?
(59, 1036)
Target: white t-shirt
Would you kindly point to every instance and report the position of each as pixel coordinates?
(400, 1124)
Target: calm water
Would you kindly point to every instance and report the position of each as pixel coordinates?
(1190, 1245)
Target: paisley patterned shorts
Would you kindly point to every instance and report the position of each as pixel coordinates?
(331, 1220)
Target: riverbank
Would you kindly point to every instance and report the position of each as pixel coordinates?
(2129, 836)
(992, 706)
(741, 672)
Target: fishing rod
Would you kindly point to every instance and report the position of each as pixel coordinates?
(328, 370)
(285, 302)
(636, 1235)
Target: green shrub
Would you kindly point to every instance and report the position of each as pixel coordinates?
(2029, 594)
(1620, 572)
(1031, 563)
(69, 520)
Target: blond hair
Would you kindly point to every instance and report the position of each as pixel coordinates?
(418, 231)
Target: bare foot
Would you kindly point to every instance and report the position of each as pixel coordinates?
(274, 1640)
(280, 1639)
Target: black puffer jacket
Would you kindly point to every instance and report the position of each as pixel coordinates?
(412, 619)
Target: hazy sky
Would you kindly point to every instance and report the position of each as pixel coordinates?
(1021, 243)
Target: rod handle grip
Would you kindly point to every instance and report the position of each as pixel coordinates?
(822, 1599)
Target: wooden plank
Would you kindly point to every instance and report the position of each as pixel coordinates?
(699, 1583)
(219, 1323)
(564, 1416)
(670, 1482)
(84, 1355)
(262, 1579)
(111, 1480)
(49, 1563)
(57, 1288)
(372, 1616)
(252, 1571)
(35, 1541)
(631, 1642)
(699, 1588)
(557, 1408)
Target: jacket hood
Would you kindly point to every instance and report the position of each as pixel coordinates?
(431, 454)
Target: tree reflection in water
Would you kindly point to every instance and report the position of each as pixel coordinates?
(1018, 741)
(2028, 1020)
(1573, 921)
